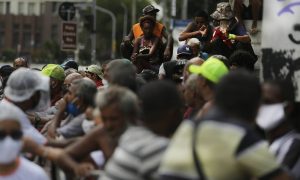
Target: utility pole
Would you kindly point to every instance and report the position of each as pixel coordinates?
(125, 19)
(184, 9)
(94, 35)
(133, 12)
(114, 25)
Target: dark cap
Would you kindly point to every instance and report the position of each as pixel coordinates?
(69, 64)
(149, 9)
(184, 50)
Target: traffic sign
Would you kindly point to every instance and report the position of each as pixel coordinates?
(69, 36)
(67, 11)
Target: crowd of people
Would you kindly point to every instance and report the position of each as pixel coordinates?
(204, 115)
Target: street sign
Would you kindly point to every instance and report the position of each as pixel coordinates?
(69, 36)
(67, 11)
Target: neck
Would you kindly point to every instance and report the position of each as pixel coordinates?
(208, 94)
(6, 169)
(278, 132)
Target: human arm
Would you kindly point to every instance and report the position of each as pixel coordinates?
(128, 39)
(95, 140)
(135, 51)
(169, 48)
(152, 50)
(189, 33)
(59, 116)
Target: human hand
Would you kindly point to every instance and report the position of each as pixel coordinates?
(133, 57)
(203, 30)
(167, 54)
(51, 132)
(83, 169)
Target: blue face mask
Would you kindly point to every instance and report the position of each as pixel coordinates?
(72, 109)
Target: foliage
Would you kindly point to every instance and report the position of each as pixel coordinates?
(8, 55)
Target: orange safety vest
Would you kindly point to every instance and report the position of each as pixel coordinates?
(137, 30)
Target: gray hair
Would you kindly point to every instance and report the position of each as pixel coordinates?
(86, 90)
(126, 100)
(192, 83)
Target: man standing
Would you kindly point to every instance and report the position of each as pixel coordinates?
(159, 31)
(199, 29)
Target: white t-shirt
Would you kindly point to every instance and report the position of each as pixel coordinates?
(26, 170)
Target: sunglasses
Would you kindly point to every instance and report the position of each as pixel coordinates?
(15, 135)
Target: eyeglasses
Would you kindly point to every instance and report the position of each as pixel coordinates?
(16, 135)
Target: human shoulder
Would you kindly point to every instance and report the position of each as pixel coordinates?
(32, 170)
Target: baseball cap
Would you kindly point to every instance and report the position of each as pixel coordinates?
(212, 69)
(96, 70)
(54, 71)
(149, 8)
(223, 12)
(69, 64)
(184, 50)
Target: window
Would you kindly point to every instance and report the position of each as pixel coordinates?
(26, 36)
(2, 34)
(2, 8)
(27, 39)
(54, 32)
(42, 8)
(31, 9)
(7, 8)
(38, 41)
(54, 7)
(15, 39)
(21, 8)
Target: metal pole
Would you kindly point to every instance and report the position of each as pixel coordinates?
(125, 19)
(133, 15)
(184, 9)
(173, 14)
(114, 24)
(94, 35)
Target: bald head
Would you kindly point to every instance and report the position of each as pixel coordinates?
(71, 77)
(20, 62)
(195, 61)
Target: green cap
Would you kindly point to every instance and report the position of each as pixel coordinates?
(54, 71)
(212, 69)
(96, 70)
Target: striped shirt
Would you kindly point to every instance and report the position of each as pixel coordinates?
(137, 157)
(226, 149)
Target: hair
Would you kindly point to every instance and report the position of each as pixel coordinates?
(239, 94)
(86, 90)
(223, 59)
(126, 100)
(157, 98)
(242, 59)
(286, 89)
(191, 83)
(202, 13)
(22, 59)
(122, 72)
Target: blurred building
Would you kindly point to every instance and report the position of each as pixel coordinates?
(25, 25)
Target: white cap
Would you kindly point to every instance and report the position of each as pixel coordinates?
(23, 83)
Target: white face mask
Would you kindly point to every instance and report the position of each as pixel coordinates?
(87, 125)
(9, 150)
(105, 83)
(269, 116)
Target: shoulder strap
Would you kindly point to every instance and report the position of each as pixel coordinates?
(196, 159)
